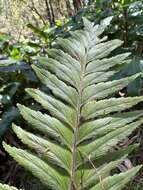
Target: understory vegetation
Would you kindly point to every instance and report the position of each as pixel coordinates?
(71, 101)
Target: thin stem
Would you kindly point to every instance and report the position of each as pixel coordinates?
(99, 176)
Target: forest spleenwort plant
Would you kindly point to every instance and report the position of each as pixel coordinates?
(83, 122)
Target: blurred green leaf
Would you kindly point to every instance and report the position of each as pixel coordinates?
(16, 54)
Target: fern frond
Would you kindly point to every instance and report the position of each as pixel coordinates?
(7, 187)
(49, 126)
(117, 181)
(83, 122)
(39, 168)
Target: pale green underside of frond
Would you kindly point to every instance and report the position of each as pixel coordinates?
(7, 187)
(39, 168)
(117, 182)
(74, 144)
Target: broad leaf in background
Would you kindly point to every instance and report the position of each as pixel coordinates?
(7, 117)
(136, 66)
(10, 113)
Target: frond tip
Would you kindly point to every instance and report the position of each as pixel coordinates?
(84, 121)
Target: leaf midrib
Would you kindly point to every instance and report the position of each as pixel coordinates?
(76, 131)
